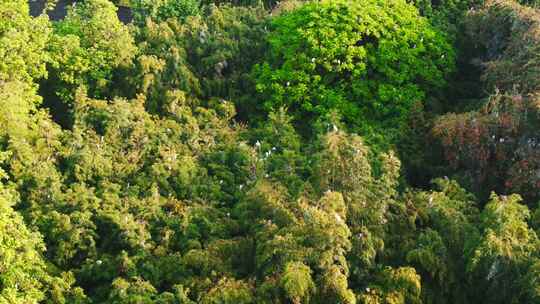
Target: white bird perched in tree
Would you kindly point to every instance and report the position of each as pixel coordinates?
(338, 218)
(202, 37)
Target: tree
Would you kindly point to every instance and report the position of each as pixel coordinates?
(167, 183)
(281, 150)
(297, 243)
(445, 228)
(446, 13)
(23, 269)
(207, 56)
(87, 47)
(369, 60)
(162, 10)
(400, 285)
(229, 291)
(492, 145)
(23, 40)
(505, 254)
(24, 275)
(342, 164)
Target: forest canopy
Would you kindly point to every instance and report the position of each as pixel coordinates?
(249, 151)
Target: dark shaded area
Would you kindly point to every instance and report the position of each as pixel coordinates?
(58, 13)
(60, 111)
(125, 15)
(369, 39)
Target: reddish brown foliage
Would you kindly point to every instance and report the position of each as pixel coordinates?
(497, 144)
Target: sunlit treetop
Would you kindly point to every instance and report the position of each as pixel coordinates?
(370, 60)
(22, 42)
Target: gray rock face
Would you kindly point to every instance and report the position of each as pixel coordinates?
(60, 11)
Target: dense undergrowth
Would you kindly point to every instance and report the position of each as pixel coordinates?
(334, 151)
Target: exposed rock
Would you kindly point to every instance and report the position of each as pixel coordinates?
(60, 10)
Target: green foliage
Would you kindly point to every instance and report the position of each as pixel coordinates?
(22, 42)
(165, 9)
(505, 252)
(397, 286)
(446, 13)
(280, 148)
(17, 101)
(208, 56)
(229, 291)
(492, 146)
(24, 275)
(297, 282)
(445, 223)
(23, 269)
(86, 49)
(309, 236)
(369, 60)
(154, 192)
(532, 3)
(343, 165)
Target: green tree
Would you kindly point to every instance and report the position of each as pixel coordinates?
(492, 144)
(207, 56)
(296, 243)
(23, 40)
(25, 276)
(162, 10)
(446, 226)
(281, 150)
(87, 48)
(505, 255)
(393, 286)
(343, 165)
(369, 60)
